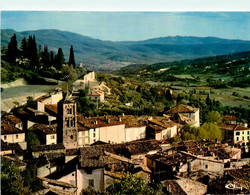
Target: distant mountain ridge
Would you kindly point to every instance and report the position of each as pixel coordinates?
(107, 55)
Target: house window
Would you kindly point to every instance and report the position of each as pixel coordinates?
(237, 138)
(248, 137)
(91, 182)
(206, 166)
(243, 132)
(242, 137)
(73, 174)
(52, 137)
(93, 134)
(248, 132)
(94, 140)
(89, 171)
(5, 137)
(238, 133)
(16, 136)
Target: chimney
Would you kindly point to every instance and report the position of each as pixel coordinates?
(120, 119)
(108, 120)
(96, 122)
(123, 114)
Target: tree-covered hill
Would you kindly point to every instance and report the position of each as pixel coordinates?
(107, 55)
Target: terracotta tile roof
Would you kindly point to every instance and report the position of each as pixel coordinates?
(172, 159)
(103, 121)
(92, 163)
(71, 152)
(180, 108)
(36, 112)
(7, 129)
(51, 108)
(58, 183)
(95, 93)
(42, 148)
(174, 187)
(160, 123)
(91, 157)
(42, 98)
(232, 127)
(229, 118)
(81, 127)
(13, 119)
(132, 148)
(12, 146)
(47, 129)
(96, 122)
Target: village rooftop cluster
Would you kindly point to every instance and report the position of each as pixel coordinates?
(77, 152)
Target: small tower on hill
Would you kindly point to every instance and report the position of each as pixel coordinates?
(67, 123)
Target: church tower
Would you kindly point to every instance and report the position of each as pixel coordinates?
(67, 123)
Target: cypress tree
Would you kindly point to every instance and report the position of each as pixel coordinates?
(45, 56)
(51, 58)
(59, 59)
(23, 48)
(32, 52)
(71, 57)
(12, 50)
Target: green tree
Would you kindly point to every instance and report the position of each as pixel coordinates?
(32, 139)
(12, 50)
(59, 59)
(45, 56)
(71, 57)
(130, 184)
(23, 48)
(11, 179)
(214, 116)
(32, 52)
(210, 131)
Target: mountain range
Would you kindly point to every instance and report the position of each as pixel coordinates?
(108, 55)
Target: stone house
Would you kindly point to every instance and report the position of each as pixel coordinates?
(161, 128)
(96, 96)
(15, 120)
(229, 120)
(185, 114)
(11, 134)
(46, 134)
(235, 133)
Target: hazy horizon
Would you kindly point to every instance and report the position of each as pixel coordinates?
(132, 26)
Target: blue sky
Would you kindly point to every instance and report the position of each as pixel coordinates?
(120, 26)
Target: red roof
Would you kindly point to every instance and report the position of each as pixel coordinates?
(9, 129)
(232, 127)
(229, 118)
(180, 108)
(51, 107)
(13, 119)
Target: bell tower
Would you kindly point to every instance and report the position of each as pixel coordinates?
(67, 123)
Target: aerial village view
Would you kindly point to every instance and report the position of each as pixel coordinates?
(125, 103)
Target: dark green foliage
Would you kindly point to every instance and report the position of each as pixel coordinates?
(32, 139)
(30, 177)
(24, 48)
(84, 105)
(59, 59)
(45, 57)
(11, 179)
(33, 53)
(12, 51)
(71, 57)
(130, 184)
